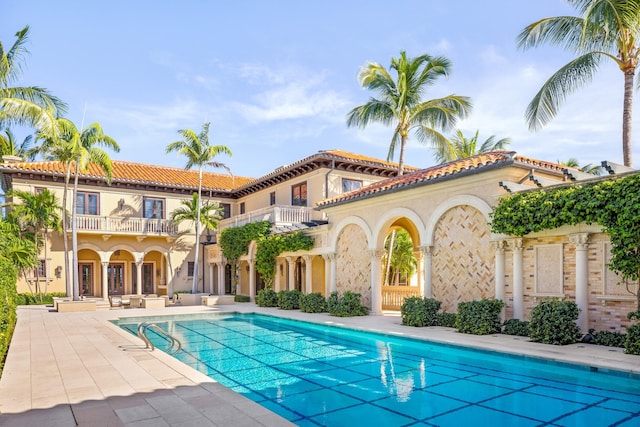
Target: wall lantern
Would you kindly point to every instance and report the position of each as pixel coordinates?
(177, 271)
(59, 272)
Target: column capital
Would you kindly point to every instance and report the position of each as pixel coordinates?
(580, 240)
(307, 258)
(516, 245)
(427, 250)
(498, 245)
(105, 264)
(419, 255)
(377, 253)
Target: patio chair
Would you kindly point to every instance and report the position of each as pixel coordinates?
(115, 301)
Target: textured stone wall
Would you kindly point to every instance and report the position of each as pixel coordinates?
(353, 268)
(463, 258)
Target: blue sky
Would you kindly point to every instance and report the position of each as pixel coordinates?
(277, 78)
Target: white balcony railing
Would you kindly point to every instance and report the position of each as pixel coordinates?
(124, 225)
(277, 215)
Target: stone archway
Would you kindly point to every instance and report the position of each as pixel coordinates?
(462, 257)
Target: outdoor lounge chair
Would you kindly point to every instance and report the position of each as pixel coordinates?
(115, 301)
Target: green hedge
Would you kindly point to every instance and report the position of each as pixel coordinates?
(554, 322)
(241, 298)
(267, 298)
(632, 344)
(608, 338)
(34, 299)
(289, 300)
(8, 294)
(346, 306)
(479, 317)
(418, 311)
(313, 303)
(516, 327)
(447, 320)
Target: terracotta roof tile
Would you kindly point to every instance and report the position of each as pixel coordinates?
(439, 172)
(138, 173)
(361, 158)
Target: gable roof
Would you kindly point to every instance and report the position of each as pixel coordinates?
(455, 169)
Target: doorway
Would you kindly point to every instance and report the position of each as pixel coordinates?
(115, 278)
(85, 273)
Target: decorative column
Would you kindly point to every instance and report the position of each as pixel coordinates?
(278, 276)
(169, 276)
(105, 280)
(211, 278)
(291, 263)
(221, 277)
(334, 272)
(252, 280)
(376, 286)
(581, 242)
(420, 269)
(518, 280)
(427, 284)
(139, 262)
(308, 261)
(499, 246)
(327, 275)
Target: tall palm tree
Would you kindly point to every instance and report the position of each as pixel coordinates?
(403, 262)
(401, 101)
(608, 29)
(9, 146)
(84, 147)
(38, 212)
(462, 147)
(196, 148)
(62, 147)
(32, 105)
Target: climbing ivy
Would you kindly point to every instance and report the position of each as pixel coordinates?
(614, 204)
(269, 247)
(235, 241)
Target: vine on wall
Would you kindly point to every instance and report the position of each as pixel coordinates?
(614, 204)
(235, 241)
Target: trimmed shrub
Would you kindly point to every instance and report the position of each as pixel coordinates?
(447, 320)
(289, 300)
(632, 344)
(346, 306)
(608, 338)
(479, 317)
(34, 299)
(267, 298)
(242, 298)
(554, 322)
(516, 327)
(8, 317)
(313, 303)
(418, 311)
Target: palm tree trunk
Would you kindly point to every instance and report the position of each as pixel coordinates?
(627, 117)
(194, 287)
(74, 239)
(46, 270)
(67, 277)
(403, 143)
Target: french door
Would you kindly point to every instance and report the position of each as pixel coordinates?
(85, 273)
(115, 278)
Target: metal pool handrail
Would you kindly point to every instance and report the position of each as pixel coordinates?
(142, 333)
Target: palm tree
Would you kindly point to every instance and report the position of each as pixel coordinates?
(61, 147)
(33, 106)
(20, 251)
(9, 146)
(462, 147)
(38, 213)
(402, 262)
(401, 101)
(84, 147)
(196, 148)
(608, 29)
(588, 168)
(210, 212)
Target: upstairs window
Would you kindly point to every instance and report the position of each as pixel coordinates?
(153, 208)
(226, 210)
(242, 208)
(350, 185)
(87, 203)
(41, 269)
(190, 268)
(272, 198)
(299, 194)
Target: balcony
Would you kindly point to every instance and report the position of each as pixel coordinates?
(123, 225)
(277, 215)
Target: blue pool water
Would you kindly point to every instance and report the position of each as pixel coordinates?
(316, 375)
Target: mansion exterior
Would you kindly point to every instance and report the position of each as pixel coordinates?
(349, 203)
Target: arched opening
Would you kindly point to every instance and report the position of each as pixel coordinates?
(400, 266)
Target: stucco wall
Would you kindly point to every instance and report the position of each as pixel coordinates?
(353, 268)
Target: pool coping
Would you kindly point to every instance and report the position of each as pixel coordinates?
(76, 368)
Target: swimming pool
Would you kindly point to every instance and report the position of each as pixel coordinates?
(330, 376)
